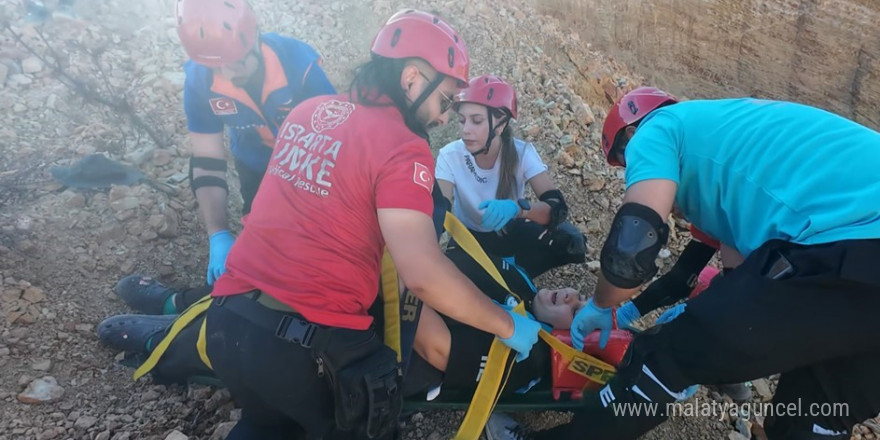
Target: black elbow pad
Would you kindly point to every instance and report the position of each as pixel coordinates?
(210, 164)
(558, 207)
(636, 237)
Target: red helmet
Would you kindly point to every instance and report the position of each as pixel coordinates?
(416, 34)
(491, 91)
(215, 33)
(634, 106)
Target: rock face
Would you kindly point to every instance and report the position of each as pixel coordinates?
(723, 52)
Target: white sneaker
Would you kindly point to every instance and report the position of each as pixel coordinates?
(503, 427)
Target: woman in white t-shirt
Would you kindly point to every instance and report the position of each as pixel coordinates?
(484, 175)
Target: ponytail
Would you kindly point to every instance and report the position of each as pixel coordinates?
(509, 163)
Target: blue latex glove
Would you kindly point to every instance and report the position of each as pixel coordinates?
(512, 302)
(688, 393)
(220, 243)
(525, 335)
(670, 314)
(497, 213)
(627, 314)
(591, 317)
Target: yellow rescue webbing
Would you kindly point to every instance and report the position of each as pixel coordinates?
(489, 387)
(185, 318)
(391, 303)
(201, 345)
(390, 297)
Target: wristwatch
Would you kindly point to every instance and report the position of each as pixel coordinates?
(524, 205)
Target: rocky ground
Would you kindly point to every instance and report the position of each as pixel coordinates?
(61, 250)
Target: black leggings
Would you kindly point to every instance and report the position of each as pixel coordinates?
(534, 247)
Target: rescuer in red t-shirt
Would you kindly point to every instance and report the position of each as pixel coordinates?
(350, 174)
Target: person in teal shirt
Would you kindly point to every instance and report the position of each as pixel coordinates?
(748, 171)
(792, 193)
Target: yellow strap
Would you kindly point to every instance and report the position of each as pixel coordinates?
(489, 388)
(201, 344)
(179, 324)
(498, 367)
(391, 303)
(390, 296)
(469, 244)
(486, 394)
(462, 235)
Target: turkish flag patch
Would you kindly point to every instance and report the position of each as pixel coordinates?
(422, 176)
(223, 106)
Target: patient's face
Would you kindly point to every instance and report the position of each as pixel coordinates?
(557, 307)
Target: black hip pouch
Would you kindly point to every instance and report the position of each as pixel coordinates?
(365, 379)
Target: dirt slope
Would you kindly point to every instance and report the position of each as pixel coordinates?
(62, 250)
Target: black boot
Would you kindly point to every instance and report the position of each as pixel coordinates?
(144, 294)
(131, 333)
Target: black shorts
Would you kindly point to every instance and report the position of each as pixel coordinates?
(523, 240)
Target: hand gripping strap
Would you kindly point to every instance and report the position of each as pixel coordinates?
(499, 360)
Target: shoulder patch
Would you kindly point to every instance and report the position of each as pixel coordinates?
(223, 106)
(422, 176)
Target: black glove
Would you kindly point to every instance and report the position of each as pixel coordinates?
(678, 282)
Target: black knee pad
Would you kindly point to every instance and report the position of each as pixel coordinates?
(210, 164)
(637, 234)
